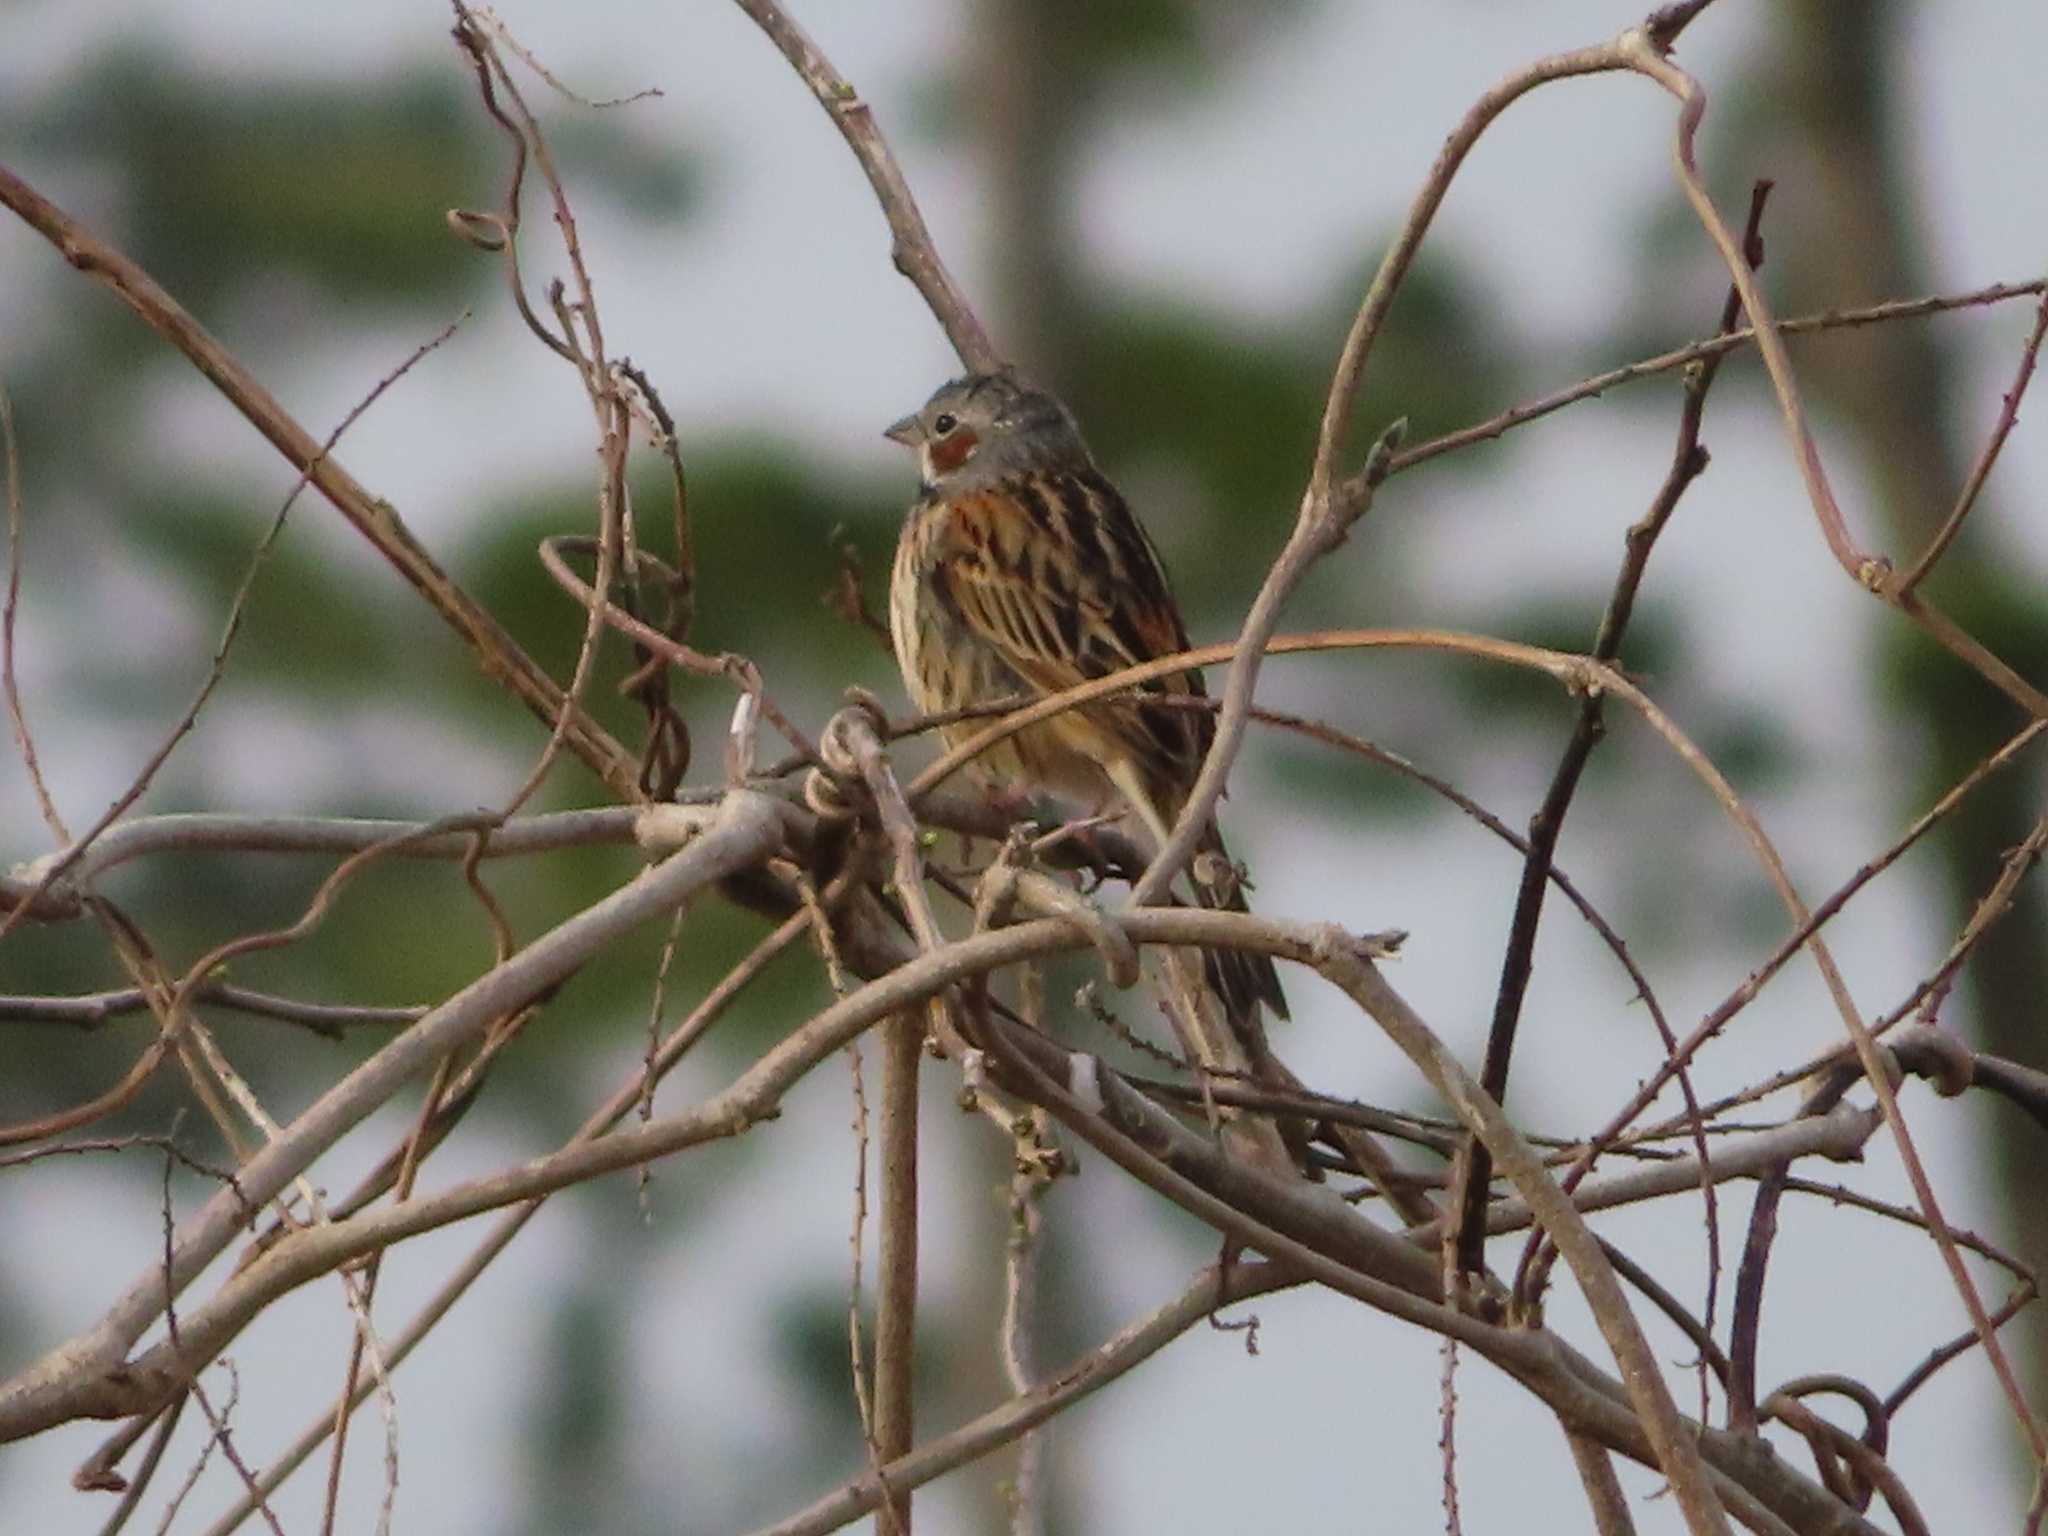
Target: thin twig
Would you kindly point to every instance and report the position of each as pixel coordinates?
(1447, 1436)
(1321, 527)
(1873, 575)
(192, 1473)
(896, 1278)
(132, 1492)
(1973, 484)
(749, 826)
(611, 513)
(133, 952)
(1993, 905)
(1710, 1357)
(616, 1108)
(499, 232)
(1344, 741)
(1393, 267)
(1688, 462)
(491, 18)
(666, 757)
(911, 246)
(863, 1385)
(217, 1419)
(24, 740)
(237, 607)
(1573, 1386)
(1712, 1023)
(734, 668)
(1008, 1421)
(373, 517)
(1790, 1411)
(1744, 1331)
(1699, 351)
(91, 1010)
(1961, 1344)
(657, 1006)
(1565, 667)
(581, 341)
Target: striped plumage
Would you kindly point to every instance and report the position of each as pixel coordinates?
(1020, 570)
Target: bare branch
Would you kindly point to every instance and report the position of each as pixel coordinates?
(1698, 352)
(191, 832)
(1400, 256)
(69, 1379)
(1447, 1441)
(504, 35)
(1873, 573)
(92, 1009)
(1320, 529)
(217, 666)
(1015, 1418)
(24, 741)
(1604, 1496)
(911, 245)
(829, 842)
(1573, 1387)
(1688, 463)
(1875, 576)
(616, 1108)
(1839, 1135)
(1793, 942)
(371, 516)
(1789, 1410)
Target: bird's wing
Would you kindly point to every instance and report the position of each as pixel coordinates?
(1057, 576)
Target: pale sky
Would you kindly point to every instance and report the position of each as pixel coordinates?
(777, 306)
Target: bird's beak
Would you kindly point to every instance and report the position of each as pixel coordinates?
(905, 432)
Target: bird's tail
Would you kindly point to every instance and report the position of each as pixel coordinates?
(1244, 980)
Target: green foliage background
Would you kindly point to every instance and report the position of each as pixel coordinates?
(286, 212)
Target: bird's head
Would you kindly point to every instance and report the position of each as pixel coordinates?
(978, 429)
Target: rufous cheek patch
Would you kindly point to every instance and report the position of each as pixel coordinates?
(949, 453)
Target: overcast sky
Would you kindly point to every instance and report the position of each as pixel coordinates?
(778, 306)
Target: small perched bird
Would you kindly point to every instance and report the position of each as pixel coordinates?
(1020, 570)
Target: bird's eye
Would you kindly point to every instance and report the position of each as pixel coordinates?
(944, 422)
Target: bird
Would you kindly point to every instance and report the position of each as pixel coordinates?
(1020, 569)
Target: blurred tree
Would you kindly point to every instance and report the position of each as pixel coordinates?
(278, 207)
(282, 208)
(1825, 116)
